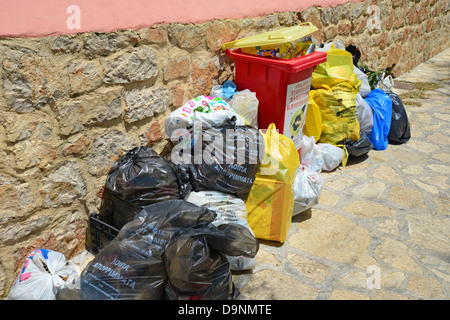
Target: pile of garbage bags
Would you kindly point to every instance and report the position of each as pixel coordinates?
(347, 110)
(187, 221)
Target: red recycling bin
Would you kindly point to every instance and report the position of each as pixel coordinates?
(282, 87)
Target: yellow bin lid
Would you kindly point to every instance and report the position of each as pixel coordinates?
(282, 35)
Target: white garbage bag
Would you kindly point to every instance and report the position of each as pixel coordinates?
(307, 188)
(365, 86)
(43, 273)
(211, 111)
(364, 114)
(332, 156)
(310, 155)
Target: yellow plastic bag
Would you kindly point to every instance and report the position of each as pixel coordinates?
(313, 122)
(336, 86)
(338, 68)
(338, 112)
(271, 200)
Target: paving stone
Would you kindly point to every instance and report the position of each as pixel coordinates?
(331, 236)
(387, 174)
(341, 184)
(390, 226)
(426, 286)
(371, 190)
(367, 209)
(267, 257)
(347, 295)
(392, 279)
(406, 196)
(389, 210)
(310, 268)
(429, 231)
(413, 170)
(329, 198)
(398, 255)
(273, 285)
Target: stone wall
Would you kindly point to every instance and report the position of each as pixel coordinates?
(70, 105)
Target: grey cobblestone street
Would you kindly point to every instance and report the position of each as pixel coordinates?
(382, 227)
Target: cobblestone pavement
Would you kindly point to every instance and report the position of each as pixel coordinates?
(386, 215)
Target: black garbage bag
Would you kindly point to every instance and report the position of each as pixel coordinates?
(196, 264)
(140, 177)
(400, 131)
(356, 53)
(131, 266)
(225, 158)
(360, 147)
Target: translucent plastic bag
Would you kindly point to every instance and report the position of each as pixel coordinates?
(331, 155)
(307, 188)
(364, 114)
(226, 91)
(246, 105)
(365, 89)
(43, 274)
(140, 177)
(310, 155)
(228, 209)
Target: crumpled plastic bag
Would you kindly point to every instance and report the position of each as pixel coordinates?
(307, 188)
(335, 87)
(246, 105)
(400, 130)
(337, 69)
(365, 88)
(228, 209)
(358, 148)
(196, 263)
(226, 91)
(331, 155)
(244, 102)
(364, 114)
(44, 273)
(310, 155)
(140, 177)
(381, 105)
(210, 110)
(225, 158)
(135, 265)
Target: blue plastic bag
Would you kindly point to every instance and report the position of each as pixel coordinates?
(228, 89)
(381, 105)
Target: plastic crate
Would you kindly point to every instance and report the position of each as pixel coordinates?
(101, 233)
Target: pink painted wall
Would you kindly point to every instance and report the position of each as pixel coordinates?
(34, 18)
